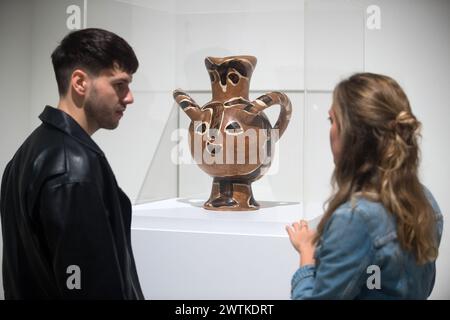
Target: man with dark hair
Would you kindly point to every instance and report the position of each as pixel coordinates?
(65, 221)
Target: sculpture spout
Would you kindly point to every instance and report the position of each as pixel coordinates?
(188, 105)
(230, 76)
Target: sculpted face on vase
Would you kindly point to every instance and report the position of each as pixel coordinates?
(231, 138)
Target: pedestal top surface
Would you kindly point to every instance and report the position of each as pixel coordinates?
(188, 215)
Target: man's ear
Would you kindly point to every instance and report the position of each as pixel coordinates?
(79, 82)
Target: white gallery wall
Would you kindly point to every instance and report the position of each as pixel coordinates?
(303, 48)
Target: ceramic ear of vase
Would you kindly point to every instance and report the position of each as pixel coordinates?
(275, 98)
(188, 105)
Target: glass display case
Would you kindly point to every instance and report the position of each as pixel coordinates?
(182, 250)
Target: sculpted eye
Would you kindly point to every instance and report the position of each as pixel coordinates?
(201, 128)
(233, 128)
(234, 78)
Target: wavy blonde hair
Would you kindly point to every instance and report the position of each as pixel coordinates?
(378, 134)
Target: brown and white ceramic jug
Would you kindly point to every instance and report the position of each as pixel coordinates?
(230, 137)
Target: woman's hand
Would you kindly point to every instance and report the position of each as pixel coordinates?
(302, 239)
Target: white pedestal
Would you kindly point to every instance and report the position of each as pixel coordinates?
(183, 251)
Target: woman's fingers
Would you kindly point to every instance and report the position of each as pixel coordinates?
(303, 224)
(297, 227)
(290, 231)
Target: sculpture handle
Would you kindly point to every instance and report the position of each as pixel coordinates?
(188, 105)
(272, 98)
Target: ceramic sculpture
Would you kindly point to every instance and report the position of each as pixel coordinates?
(230, 137)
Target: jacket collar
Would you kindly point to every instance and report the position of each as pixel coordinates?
(62, 121)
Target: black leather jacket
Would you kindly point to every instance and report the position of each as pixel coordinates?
(65, 222)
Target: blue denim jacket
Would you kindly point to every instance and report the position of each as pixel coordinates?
(353, 241)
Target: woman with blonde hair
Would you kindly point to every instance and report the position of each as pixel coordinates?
(381, 230)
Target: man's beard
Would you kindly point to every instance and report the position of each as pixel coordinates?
(99, 113)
